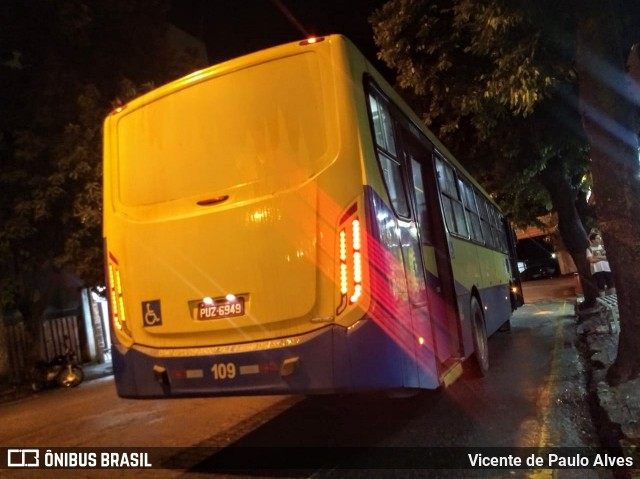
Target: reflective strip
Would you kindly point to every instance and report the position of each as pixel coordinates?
(251, 369)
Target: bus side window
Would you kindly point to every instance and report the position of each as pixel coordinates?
(485, 218)
(421, 200)
(451, 200)
(501, 238)
(472, 210)
(382, 125)
(387, 155)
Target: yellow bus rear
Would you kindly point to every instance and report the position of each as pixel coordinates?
(245, 240)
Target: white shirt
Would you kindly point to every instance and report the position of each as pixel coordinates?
(599, 266)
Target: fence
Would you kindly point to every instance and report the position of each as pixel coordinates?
(610, 305)
(55, 330)
(17, 351)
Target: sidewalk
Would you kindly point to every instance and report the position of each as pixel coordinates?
(617, 409)
(96, 371)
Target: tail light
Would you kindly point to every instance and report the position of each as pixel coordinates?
(116, 298)
(350, 257)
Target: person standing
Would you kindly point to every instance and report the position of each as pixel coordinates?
(600, 269)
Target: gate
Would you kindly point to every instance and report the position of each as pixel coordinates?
(17, 349)
(54, 332)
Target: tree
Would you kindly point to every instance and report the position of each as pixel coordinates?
(64, 65)
(478, 69)
(610, 121)
(504, 76)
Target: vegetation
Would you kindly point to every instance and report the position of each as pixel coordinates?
(525, 93)
(64, 64)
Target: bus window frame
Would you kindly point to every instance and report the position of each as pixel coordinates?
(372, 91)
(469, 194)
(493, 237)
(438, 156)
(486, 221)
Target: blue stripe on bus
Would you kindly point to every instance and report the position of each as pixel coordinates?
(364, 358)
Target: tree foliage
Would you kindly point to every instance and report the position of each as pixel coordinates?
(498, 90)
(64, 64)
(501, 82)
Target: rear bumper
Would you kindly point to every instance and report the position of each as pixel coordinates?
(283, 366)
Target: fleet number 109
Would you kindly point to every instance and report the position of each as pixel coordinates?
(223, 371)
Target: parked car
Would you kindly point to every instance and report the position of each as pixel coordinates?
(540, 270)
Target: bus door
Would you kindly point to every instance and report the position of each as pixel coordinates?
(517, 298)
(440, 291)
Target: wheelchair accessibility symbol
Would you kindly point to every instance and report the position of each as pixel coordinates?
(151, 313)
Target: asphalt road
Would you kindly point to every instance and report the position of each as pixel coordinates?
(552, 289)
(533, 396)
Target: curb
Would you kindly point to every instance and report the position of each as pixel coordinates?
(16, 392)
(615, 410)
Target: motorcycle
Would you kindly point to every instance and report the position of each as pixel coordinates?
(63, 370)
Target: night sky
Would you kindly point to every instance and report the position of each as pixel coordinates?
(231, 28)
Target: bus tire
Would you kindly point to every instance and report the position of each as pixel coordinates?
(480, 356)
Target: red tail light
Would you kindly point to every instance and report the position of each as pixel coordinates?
(350, 260)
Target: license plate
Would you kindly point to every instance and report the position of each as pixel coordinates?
(221, 308)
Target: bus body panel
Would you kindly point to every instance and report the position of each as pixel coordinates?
(487, 274)
(497, 303)
(364, 358)
(391, 347)
(230, 210)
(275, 276)
(399, 291)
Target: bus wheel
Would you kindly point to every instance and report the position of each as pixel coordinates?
(480, 357)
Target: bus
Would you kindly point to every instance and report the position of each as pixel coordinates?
(283, 223)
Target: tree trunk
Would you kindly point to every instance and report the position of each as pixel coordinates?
(608, 123)
(571, 229)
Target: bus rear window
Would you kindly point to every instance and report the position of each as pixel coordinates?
(260, 129)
